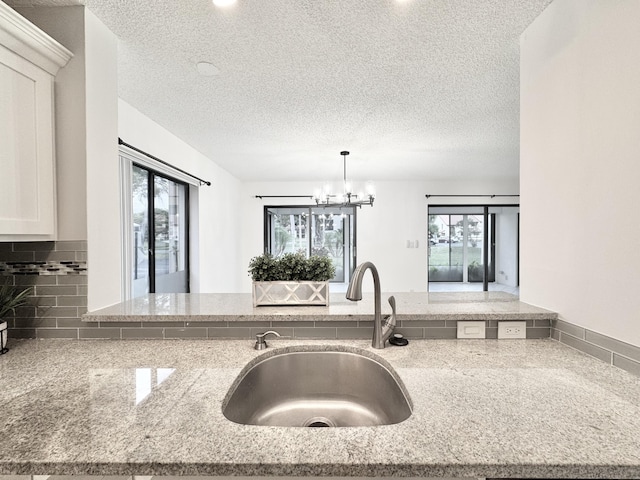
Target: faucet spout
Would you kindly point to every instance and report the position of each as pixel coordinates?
(382, 330)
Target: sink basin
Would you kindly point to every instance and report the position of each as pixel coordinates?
(317, 388)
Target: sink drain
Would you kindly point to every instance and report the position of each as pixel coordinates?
(319, 422)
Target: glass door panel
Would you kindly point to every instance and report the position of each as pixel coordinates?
(332, 239)
(140, 209)
(474, 245)
(445, 249)
(170, 236)
(288, 232)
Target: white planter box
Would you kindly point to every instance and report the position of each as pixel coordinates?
(290, 293)
(3, 337)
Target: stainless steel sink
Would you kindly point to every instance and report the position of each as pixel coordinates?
(321, 388)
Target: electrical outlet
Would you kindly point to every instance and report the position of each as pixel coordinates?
(512, 330)
(471, 329)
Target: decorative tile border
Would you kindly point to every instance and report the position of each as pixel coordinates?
(43, 268)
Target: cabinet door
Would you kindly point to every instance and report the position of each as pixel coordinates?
(27, 177)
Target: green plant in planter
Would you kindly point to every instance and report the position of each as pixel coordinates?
(293, 267)
(476, 272)
(11, 298)
(263, 268)
(320, 269)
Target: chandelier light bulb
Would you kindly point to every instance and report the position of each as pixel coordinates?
(371, 190)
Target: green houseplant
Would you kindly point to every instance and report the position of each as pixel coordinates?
(10, 298)
(475, 272)
(291, 279)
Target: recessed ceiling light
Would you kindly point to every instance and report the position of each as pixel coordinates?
(207, 69)
(223, 3)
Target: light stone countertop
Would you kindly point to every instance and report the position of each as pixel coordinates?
(238, 307)
(482, 408)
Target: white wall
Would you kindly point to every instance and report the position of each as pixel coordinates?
(215, 260)
(104, 255)
(399, 214)
(507, 247)
(580, 169)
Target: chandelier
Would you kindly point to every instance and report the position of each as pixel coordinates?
(346, 198)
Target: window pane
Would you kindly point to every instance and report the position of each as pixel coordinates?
(140, 274)
(289, 232)
(329, 240)
(475, 236)
(161, 222)
(445, 248)
(170, 236)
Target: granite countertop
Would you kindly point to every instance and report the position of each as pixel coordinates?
(482, 408)
(238, 307)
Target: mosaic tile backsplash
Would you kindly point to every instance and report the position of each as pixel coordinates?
(57, 271)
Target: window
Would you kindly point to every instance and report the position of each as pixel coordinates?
(328, 232)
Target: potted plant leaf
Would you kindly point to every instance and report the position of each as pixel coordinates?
(291, 279)
(11, 297)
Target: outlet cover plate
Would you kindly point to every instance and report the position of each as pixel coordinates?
(468, 329)
(512, 330)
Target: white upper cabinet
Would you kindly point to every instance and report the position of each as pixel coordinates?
(29, 61)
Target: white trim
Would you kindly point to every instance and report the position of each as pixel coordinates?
(127, 221)
(147, 162)
(31, 43)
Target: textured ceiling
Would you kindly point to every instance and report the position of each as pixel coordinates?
(414, 88)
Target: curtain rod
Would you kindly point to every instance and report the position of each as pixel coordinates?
(490, 196)
(283, 196)
(202, 182)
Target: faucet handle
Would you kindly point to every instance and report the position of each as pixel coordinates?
(261, 344)
(391, 319)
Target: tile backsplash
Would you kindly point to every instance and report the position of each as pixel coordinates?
(58, 273)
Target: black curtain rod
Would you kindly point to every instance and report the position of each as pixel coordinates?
(202, 182)
(490, 196)
(284, 196)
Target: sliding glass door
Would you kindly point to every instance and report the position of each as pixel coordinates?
(456, 248)
(467, 243)
(160, 233)
(328, 232)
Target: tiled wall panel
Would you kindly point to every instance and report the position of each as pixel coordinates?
(57, 272)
